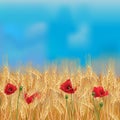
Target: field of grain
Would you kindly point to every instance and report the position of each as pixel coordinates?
(51, 105)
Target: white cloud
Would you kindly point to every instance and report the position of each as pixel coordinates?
(36, 29)
(36, 34)
(80, 38)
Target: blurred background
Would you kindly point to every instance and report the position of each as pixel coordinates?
(39, 31)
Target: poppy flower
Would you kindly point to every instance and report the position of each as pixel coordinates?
(30, 99)
(99, 92)
(67, 87)
(10, 89)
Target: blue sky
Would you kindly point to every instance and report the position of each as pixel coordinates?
(48, 31)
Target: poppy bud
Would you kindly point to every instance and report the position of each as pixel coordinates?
(66, 97)
(20, 88)
(101, 104)
(93, 93)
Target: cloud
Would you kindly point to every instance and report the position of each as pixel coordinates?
(37, 29)
(36, 40)
(31, 48)
(80, 38)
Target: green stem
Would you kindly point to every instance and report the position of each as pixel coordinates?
(33, 115)
(10, 109)
(17, 105)
(72, 107)
(20, 89)
(99, 109)
(67, 109)
(96, 111)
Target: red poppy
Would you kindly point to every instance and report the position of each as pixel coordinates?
(10, 89)
(99, 92)
(30, 99)
(67, 87)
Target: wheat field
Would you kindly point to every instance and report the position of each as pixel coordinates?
(52, 104)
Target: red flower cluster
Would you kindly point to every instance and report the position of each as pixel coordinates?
(67, 87)
(30, 99)
(10, 89)
(99, 92)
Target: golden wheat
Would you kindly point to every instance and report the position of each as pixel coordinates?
(52, 104)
